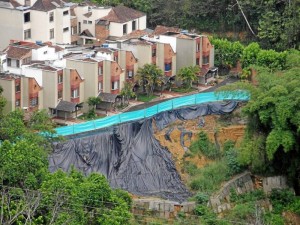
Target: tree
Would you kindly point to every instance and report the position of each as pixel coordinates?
(249, 55)
(2, 101)
(127, 91)
(188, 75)
(149, 77)
(93, 102)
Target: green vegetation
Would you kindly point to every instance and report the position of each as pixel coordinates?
(127, 91)
(92, 102)
(187, 75)
(30, 194)
(145, 97)
(183, 89)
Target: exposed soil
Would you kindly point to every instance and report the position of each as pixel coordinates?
(213, 127)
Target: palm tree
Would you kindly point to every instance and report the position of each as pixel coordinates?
(149, 77)
(188, 75)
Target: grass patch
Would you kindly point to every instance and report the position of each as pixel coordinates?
(145, 97)
(85, 116)
(184, 89)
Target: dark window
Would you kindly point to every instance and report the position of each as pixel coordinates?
(66, 12)
(197, 61)
(34, 101)
(51, 17)
(85, 22)
(90, 22)
(115, 85)
(79, 27)
(125, 29)
(8, 62)
(59, 78)
(27, 34)
(18, 87)
(27, 17)
(60, 94)
(133, 25)
(100, 70)
(18, 63)
(52, 33)
(168, 67)
(153, 52)
(205, 60)
(66, 29)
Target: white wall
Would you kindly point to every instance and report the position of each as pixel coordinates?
(11, 26)
(41, 26)
(142, 23)
(169, 40)
(107, 56)
(116, 29)
(33, 72)
(3, 65)
(62, 22)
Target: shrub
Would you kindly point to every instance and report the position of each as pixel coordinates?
(190, 168)
(203, 146)
(202, 198)
(281, 199)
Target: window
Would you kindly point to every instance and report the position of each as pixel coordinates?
(115, 85)
(197, 61)
(60, 94)
(34, 102)
(52, 33)
(168, 67)
(153, 52)
(59, 78)
(66, 29)
(130, 74)
(124, 28)
(85, 22)
(133, 25)
(18, 87)
(100, 70)
(27, 34)
(8, 62)
(116, 58)
(27, 17)
(74, 30)
(205, 60)
(90, 22)
(75, 93)
(197, 47)
(51, 17)
(17, 63)
(99, 86)
(17, 102)
(45, 52)
(66, 12)
(79, 27)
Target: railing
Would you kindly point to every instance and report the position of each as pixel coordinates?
(149, 112)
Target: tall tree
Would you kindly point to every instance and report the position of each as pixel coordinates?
(127, 91)
(149, 77)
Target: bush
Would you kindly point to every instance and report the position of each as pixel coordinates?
(210, 177)
(242, 212)
(203, 146)
(273, 219)
(202, 198)
(252, 196)
(190, 168)
(280, 199)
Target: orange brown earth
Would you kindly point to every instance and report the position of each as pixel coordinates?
(213, 126)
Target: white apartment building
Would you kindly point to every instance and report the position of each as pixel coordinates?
(38, 21)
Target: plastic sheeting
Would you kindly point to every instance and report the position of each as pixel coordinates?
(130, 156)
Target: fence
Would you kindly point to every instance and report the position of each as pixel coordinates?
(149, 112)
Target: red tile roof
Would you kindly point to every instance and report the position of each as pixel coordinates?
(122, 14)
(163, 29)
(47, 5)
(16, 52)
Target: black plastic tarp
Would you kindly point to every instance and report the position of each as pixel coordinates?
(130, 156)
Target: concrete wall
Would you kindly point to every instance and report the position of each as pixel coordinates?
(9, 94)
(185, 53)
(50, 89)
(277, 182)
(11, 24)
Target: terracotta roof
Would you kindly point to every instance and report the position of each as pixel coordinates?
(122, 14)
(47, 5)
(56, 47)
(163, 29)
(9, 4)
(134, 34)
(86, 33)
(89, 14)
(66, 106)
(15, 52)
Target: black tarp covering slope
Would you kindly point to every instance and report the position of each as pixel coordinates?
(130, 156)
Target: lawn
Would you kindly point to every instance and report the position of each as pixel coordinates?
(145, 97)
(184, 89)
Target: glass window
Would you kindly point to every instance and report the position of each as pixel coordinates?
(168, 66)
(8, 62)
(66, 12)
(18, 87)
(59, 78)
(197, 47)
(60, 94)
(75, 93)
(85, 22)
(51, 17)
(34, 101)
(134, 25)
(115, 85)
(27, 34)
(66, 29)
(100, 70)
(99, 86)
(90, 22)
(205, 60)
(17, 102)
(125, 29)
(52, 33)
(130, 74)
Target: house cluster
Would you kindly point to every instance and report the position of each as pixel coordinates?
(56, 54)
